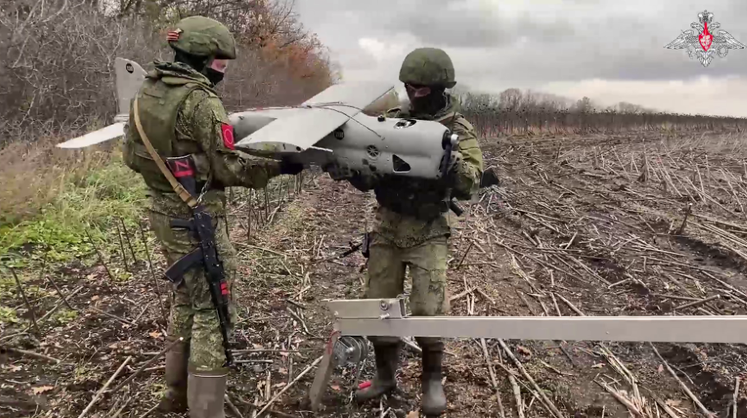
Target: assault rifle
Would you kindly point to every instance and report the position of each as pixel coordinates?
(205, 255)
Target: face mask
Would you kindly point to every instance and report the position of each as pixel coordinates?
(215, 77)
(216, 70)
(425, 99)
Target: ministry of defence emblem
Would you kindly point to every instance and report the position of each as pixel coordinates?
(705, 40)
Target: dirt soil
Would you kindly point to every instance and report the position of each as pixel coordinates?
(638, 224)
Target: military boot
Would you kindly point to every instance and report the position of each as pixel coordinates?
(206, 392)
(387, 358)
(175, 398)
(434, 399)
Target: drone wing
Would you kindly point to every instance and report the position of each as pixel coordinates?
(102, 135)
(299, 128)
(686, 38)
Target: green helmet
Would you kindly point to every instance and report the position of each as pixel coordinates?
(204, 37)
(428, 67)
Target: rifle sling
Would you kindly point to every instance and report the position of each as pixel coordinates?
(178, 188)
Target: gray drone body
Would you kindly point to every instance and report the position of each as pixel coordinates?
(334, 130)
(364, 144)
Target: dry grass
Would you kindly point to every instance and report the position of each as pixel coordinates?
(51, 197)
(34, 175)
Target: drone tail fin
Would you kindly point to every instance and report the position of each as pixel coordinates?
(129, 76)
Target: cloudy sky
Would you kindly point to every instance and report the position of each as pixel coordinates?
(608, 50)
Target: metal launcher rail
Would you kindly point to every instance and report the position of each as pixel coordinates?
(360, 318)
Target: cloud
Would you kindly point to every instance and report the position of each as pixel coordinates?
(607, 48)
(383, 51)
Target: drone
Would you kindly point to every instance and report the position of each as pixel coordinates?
(338, 130)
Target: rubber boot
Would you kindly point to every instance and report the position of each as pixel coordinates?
(175, 398)
(206, 392)
(387, 359)
(434, 399)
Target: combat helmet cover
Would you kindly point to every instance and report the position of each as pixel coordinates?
(428, 67)
(204, 37)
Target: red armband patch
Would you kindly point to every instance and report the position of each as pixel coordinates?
(227, 134)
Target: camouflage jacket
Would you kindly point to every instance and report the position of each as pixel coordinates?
(412, 211)
(181, 114)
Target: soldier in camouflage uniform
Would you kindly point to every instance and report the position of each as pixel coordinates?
(181, 113)
(413, 224)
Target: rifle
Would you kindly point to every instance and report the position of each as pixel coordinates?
(205, 255)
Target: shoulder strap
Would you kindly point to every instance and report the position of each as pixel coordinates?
(178, 188)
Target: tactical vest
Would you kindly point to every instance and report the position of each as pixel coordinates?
(159, 101)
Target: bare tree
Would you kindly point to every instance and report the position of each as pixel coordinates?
(56, 57)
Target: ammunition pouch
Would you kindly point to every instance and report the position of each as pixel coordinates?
(423, 212)
(137, 158)
(421, 201)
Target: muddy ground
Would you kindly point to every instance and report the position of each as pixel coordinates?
(638, 224)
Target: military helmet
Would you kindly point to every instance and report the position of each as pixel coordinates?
(428, 67)
(204, 37)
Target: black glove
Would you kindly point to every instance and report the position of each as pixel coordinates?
(289, 167)
(451, 173)
(489, 178)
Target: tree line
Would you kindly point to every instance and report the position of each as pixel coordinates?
(526, 112)
(56, 56)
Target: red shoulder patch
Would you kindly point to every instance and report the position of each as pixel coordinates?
(227, 134)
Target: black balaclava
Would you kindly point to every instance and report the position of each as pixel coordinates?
(214, 76)
(430, 104)
(201, 65)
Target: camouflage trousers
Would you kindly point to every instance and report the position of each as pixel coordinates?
(387, 264)
(193, 315)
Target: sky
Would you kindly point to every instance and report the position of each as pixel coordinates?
(610, 51)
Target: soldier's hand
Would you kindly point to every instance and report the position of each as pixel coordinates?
(289, 167)
(452, 172)
(457, 160)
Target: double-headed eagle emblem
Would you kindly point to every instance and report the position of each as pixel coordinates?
(705, 40)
